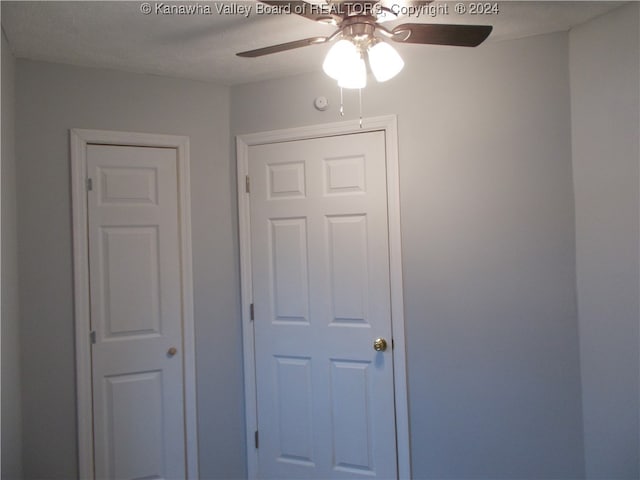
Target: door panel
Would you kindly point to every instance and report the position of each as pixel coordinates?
(136, 299)
(347, 248)
(131, 297)
(295, 415)
(288, 238)
(353, 446)
(320, 270)
(135, 445)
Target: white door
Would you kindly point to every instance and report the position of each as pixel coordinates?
(136, 300)
(321, 293)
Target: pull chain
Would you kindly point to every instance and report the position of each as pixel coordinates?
(360, 100)
(342, 103)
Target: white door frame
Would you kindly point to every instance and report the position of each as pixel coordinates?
(387, 124)
(80, 138)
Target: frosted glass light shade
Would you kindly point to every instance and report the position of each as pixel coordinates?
(354, 75)
(385, 61)
(343, 54)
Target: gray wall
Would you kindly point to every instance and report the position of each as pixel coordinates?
(11, 412)
(488, 249)
(51, 99)
(605, 83)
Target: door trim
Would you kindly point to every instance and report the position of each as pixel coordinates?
(79, 139)
(387, 124)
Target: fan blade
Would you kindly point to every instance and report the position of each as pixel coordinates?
(316, 12)
(282, 47)
(442, 34)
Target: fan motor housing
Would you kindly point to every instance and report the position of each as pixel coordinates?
(359, 27)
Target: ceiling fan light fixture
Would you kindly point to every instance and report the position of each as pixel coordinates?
(342, 56)
(385, 61)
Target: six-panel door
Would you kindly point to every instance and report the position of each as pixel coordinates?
(136, 295)
(320, 266)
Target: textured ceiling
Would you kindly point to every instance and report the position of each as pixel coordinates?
(202, 46)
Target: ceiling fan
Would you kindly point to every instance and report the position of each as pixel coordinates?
(361, 37)
(360, 20)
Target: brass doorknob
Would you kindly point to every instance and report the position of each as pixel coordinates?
(172, 351)
(380, 345)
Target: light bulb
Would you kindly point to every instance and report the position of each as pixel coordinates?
(343, 54)
(354, 75)
(385, 61)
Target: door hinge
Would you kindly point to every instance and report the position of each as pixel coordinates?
(255, 437)
(247, 184)
(89, 184)
(251, 313)
(92, 336)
